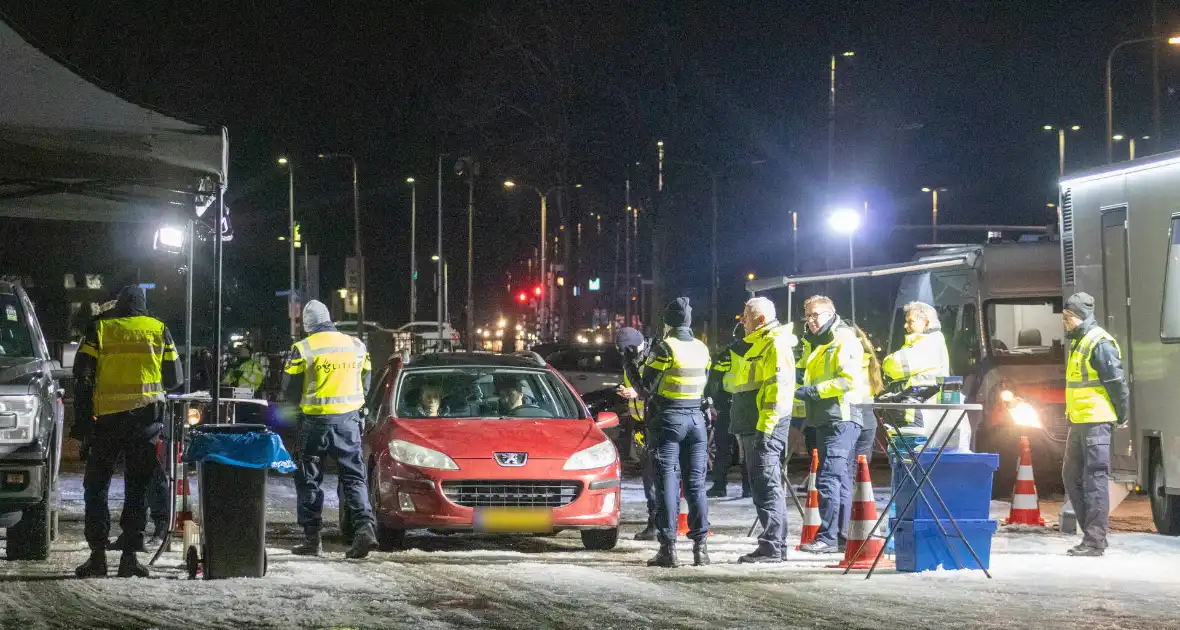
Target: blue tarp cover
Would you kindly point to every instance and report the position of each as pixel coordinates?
(246, 450)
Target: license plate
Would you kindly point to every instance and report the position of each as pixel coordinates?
(513, 521)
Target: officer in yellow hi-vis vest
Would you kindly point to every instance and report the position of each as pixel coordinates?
(632, 346)
(722, 377)
(1096, 400)
(328, 373)
(244, 371)
(125, 364)
(673, 384)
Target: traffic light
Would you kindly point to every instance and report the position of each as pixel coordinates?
(522, 297)
(537, 290)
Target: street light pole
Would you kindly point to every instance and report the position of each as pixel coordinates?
(290, 243)
(847, 222)
(1174, 40)
(413, 249)
(714, 331)
(934, 210)
(543, 271)
(439, 272)
(360, 263)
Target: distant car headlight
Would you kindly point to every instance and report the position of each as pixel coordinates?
(18, 414)
(414, 455)
(597, 456)
(1025, 415)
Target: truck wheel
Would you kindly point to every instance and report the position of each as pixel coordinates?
(600, 539)
(29, 538)
(1165, 508)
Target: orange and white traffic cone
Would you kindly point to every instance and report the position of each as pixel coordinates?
(181, 497)
(1026, 508)
(682, 520)
(811, 519)
(862, 550)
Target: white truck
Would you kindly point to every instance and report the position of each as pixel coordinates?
(1120, 242)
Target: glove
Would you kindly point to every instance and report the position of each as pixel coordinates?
(807, 392)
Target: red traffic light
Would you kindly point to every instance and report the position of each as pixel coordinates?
(537, 291)
(522, 298)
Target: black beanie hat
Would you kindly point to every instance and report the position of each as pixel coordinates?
(678, 313)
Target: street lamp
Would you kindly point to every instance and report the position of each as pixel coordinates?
(1061, 144)
(544, 195)
(445, 301)
(847, 221)
(294, 331)
(934, 210)
(360, 263)
(1173, 40)
(413, 249)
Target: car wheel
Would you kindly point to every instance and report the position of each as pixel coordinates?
(347, 529)
(1165, 508)
(388, 538)
(29, 538)
(600, 539)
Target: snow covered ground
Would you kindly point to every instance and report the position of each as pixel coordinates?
(459, 582)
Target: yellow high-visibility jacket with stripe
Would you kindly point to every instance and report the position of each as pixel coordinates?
(129, 355)
(1086, 398)
(920, 361)
(680, 369)
(248, 373)
(334, 367)
(763, 380)
(834, 364)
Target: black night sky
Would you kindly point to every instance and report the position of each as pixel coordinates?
(951, 94)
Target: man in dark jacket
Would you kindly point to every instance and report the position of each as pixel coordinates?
(124, 366)
(1096, 400)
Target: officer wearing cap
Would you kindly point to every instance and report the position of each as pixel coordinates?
(1096, 400)
(631, 344)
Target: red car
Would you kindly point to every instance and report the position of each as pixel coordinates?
(488, 443)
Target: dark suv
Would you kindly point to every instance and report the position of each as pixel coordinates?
(31, 414)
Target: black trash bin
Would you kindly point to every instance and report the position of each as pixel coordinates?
(233, 512)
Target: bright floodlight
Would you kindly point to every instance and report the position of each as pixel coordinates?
(169, 239)
(509, 184)
(844, 221)
(1174, 40)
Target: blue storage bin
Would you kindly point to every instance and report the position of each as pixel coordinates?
(964, 480)
(922, 547)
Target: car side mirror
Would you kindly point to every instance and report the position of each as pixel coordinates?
(606, 420)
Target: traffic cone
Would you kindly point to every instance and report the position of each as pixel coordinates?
(1026, 509)
(181, 496)
(811, 519)
(682, 520)
(862, 550)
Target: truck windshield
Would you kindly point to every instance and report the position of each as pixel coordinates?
(1026, 326)
(15, 340)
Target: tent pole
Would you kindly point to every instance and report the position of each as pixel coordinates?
(218, 252)
(188, 311)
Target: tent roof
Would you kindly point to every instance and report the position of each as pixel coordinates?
(70, 147)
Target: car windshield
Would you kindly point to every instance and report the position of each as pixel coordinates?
(1024, 327)
(485, 392)
(15, 340)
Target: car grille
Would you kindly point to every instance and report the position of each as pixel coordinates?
(498, 493)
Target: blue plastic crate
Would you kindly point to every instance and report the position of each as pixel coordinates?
(964, 480)
(922, 547)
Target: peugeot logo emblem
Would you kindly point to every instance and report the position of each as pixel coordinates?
(512, 459)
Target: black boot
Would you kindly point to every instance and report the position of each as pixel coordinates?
(96, 566)
(363, 542)
(666, 557)
(312, 545)
(719, 490)
(120, 544)
(700, 553)
(648, 533)
(129, 566)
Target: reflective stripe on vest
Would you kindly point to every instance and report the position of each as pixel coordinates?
(130, 359)
(1086, 400)
(686, 376)
(635, 404)
(332, 379)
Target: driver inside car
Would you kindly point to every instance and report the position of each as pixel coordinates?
(513, 402)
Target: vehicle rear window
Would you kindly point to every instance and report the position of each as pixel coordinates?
(607, 360)
(15, 339)
(485, 392)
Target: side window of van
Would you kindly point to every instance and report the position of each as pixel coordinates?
(1170, 317)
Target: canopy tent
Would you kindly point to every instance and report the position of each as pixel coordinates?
(70, 150)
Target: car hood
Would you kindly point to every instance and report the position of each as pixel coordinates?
(474, 438)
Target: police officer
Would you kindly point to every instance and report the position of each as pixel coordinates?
(833, 379)
(720, 389)
(923, 357)
(631, 345)
(763, 393)
(673, 382)
(244, 371)
(124, 366)
(328, 372)
(1096, 400)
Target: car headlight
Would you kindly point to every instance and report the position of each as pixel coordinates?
(420, 456)
(18, 414)
(1025, 415)
(597, 456)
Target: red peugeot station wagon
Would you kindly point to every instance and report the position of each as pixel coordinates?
(488, 443)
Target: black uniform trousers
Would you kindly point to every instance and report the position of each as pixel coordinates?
(338, 436)
(133, 434)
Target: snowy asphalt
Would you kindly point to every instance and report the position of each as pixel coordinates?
(463, 582)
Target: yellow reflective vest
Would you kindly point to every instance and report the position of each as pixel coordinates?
(1086, 400)
(634, 405)
(248, 373)
(836, 369)
(333, 366)
(684, 370)
(129, 353)
(767, 368)
(920, 361)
